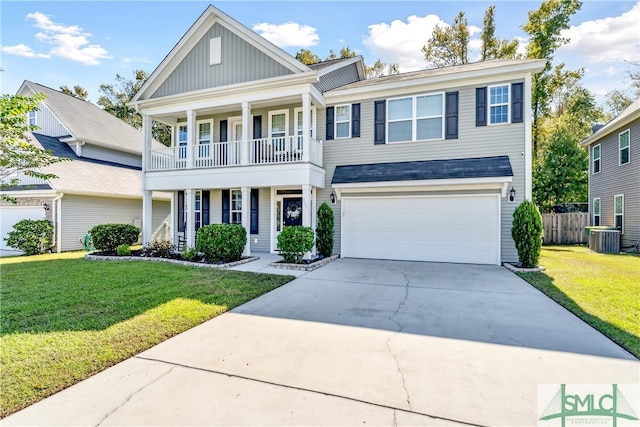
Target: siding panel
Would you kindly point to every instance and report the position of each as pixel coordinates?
(49, 125)
(99, 153)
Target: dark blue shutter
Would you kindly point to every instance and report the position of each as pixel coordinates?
(206, 197)
(517, 102)
(223, 131)
(226, 206)
(379, 121)
(355, 120)
(254, 210)
(451, 115)
(330, 121)
(257, 127)
(181, 211)
(481, 106)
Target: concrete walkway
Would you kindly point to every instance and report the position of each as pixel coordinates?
(356, 343)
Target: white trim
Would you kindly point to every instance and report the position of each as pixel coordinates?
(414, 117)
(593, 211)
(286, 121)
(628, 132)
(528, 144)
(593, 159)
(616, 214)
(631, 113)
(501, 104)
(358, 60)
(335, 121)
(313, 121)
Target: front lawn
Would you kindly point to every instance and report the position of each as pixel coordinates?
(64, 319)
(601, 289)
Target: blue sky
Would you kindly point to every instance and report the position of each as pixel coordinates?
(87, 43)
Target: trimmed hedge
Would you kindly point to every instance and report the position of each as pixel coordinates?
(294, 241)
(527, 233)
(324, 230)
(221, 242)
(31, 236)
(107, 237)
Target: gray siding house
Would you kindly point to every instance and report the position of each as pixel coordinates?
(614, 174)
(101, 184)
(427, 165)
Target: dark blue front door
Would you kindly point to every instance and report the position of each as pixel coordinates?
(292, 211)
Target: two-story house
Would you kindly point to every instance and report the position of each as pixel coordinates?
(101, 184)
(614, 174)
(427, 165)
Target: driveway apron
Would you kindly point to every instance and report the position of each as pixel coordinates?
(357, 342)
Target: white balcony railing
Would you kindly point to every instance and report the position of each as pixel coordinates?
(289, 149)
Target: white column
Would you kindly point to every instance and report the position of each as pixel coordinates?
(306, 205)
(314, 216)
(189, 204)
(306, 126)
(147, 217)
(246, 217)
(192, 131)
(172, 217)
(244, 150)
(146, 143)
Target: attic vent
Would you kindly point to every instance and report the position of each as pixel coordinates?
(215, 51)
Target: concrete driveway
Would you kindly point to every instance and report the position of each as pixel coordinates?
(356, 342)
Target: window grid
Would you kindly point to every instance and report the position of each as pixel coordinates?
(236, 206)
(32, 118)
(198, 209)
(343, 121)
(623, 145)
(498, 104)
(596, 211)
(596, 159)
(618, 211)
(415, 118)
(182, 141)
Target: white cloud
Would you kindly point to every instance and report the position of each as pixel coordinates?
(288, 34)
(607, 39)
(68, 42)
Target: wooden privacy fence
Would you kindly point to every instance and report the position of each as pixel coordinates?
(565, 228)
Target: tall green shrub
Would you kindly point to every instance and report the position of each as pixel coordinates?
(221, 242)
(31, 236)
(324, 230)
(294, 241)
(107, 237)
(527, 233)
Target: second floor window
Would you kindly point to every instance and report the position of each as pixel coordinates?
(596, 159)
(182, 141)
(498, 104)
(343, 121)
(416, 118)
(623, 145)
(32, 118)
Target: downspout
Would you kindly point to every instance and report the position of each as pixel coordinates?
(57, 215)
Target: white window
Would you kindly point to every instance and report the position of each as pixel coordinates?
(416, 118)
(236, 206)
(198, 209)
(215, 51)
(298, 124)
(623, 145)
(343, 121)
(596, 211)
(596, 159)
(204, 138)
(279, 128)
(498, 104)
(618, 212)
(32, 118)
(182, 141)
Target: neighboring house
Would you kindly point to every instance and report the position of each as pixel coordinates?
(416, 166)
(614, 174)
(102, 184)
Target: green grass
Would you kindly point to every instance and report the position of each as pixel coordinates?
(601, 289)
(64, 319)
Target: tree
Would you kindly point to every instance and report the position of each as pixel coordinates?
(78, 92)
(493, 47)
(617, 100)
(345, 52)
(527, 233)
(307, 57)
(448, 45)
(17, 155)
(116, 97)
(544, 27)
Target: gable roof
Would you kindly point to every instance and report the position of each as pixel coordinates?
(209, 17)
(88, 122)
(629, 114)
(483, 167)
(325, 67)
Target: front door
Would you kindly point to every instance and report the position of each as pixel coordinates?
(288, 212)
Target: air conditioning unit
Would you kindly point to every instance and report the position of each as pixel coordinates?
(605, 241)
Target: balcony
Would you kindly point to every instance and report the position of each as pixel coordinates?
(265, 151)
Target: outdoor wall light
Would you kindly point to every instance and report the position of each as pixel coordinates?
(45, 206)
(512, 194)
(332, 197)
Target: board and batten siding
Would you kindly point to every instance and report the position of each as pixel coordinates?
(486, 141)
(337, 78)
(614, 179)
(241, 62)
(81, 213)
(48, 123)
(91, 151)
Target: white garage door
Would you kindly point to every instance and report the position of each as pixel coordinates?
(461, 229)
(11, 215)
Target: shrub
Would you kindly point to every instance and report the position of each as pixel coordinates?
(189, 254)
(159, 249)
(31, 236)
(294, 241)
(221, 242)
(107, 237)
(123, 250)
(324, 230)
(527, 233)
